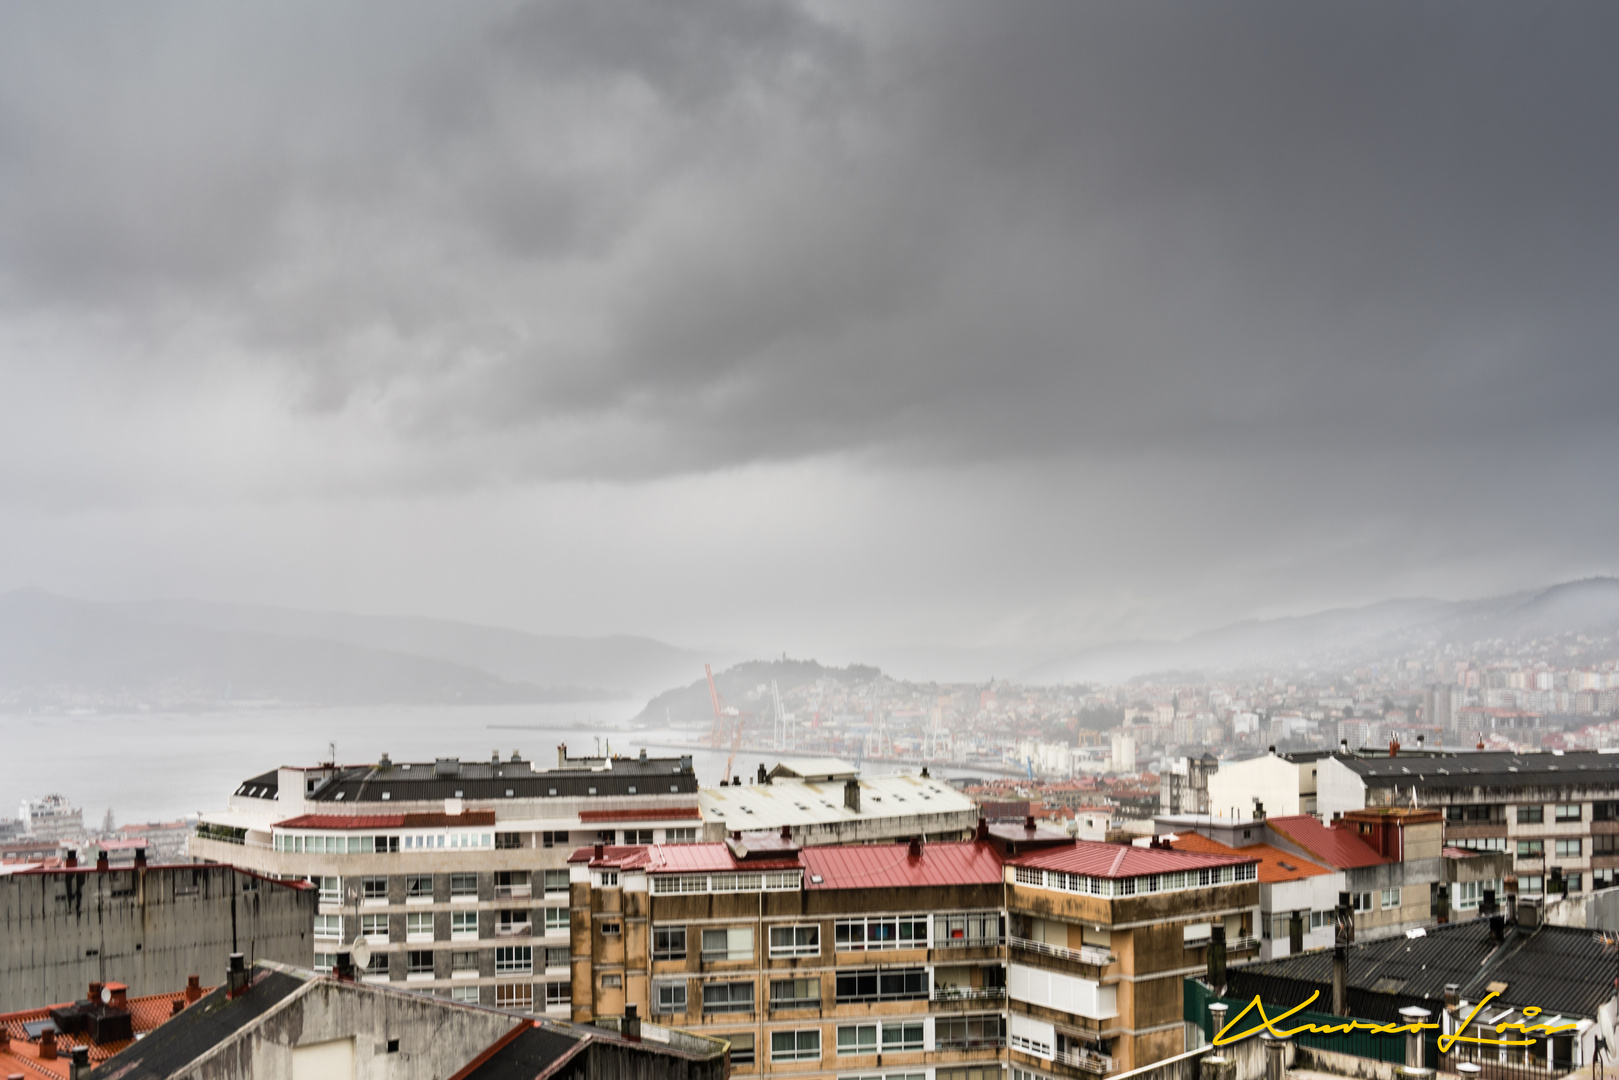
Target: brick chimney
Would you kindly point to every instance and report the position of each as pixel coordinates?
(193, 988)
(236, 976)
(915, 850)
(72, 859)
(983, 831)
(851, 794)
(94, 993)
(47, 1046)
(119, 995)
(140, 856)
(101, 859)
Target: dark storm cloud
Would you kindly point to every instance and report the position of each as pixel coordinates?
(639, 239)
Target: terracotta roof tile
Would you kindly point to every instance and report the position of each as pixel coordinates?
(1275, 865)
(1337, 848)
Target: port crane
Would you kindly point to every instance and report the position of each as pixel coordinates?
(728, 720)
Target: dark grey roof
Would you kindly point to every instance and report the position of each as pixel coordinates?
(1560, 969)
(261, 787)
(487, 780)
(533, 1052)
(1488, 769)
(178, 1042)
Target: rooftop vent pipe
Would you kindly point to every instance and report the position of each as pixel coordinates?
(916, 847)
(236, 975)
(851, 794)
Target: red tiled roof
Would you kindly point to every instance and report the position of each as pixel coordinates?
(673, 813)
(1096, 859)
(885, 866)
(22, 1055)
(1338, 848)
(1275, 865)
(353, 822)
(681, 859)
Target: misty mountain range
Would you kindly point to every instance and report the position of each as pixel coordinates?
(55, 651)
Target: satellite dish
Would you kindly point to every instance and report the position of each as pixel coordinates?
(360, 954)
(106, 996)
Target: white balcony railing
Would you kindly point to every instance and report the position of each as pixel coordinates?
(968, 993)
(513, 929)
(513, 892)
(1085, 954)
(1084, 1059)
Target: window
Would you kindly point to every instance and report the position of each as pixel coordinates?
(506, 841)
(554, 839)
(1602, 879)
(374, 927)
(419, 962)
(377, 966)
(1318, 919)
(905, 932)
(419, 926)
(902, 984)
(967, 931)
(1531, 849)
(1391, 898)
(741, 1046)
(971, 1072)
(1605, 811)
(463, 926)
(1531, 884)
(558, 993)
(1470, 814)
(556, 881)
(1569, 849)
(419, 887)
(795, 941)
(668, 943)
(467, 995)
(514, 995)
(1572, 883)
(330, 926)
(734, 997)
(1531, 815)
(796, 1045)
(1363, 902)
(732, 943)
(669, 997)
(1568, 812)
(680, 836)
(1478, 843)
(556, 920)
(902, 1035)
(556, 957)
(464, 962)
(604, 836)
(512, 923)
(857, 1039)
(325, 961)
(374, 888)
(331, 890)
(960, 1032)
(1467, 895)
(463, 886)
(612, 929)
(795, 993)
(514, 958)
(637, 836)
(1605, 844)
(608, 879)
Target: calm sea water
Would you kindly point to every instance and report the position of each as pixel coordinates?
(157, 767)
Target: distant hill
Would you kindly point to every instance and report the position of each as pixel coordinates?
(740, 686)
(55, 650)
(1349, 637)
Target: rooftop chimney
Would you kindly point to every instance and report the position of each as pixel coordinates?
(5, 1038)
(1420, 740)
(761, 772)
(118, 995)
(383, 762)
(924, 772)
(562, 755)
(916, 847)
(95, 992)
(1394, 748)
(342, 969)
(519, 757)
(236, 975)
(1272, 749)
(101, 859)
(140, 856)
(1498, 929)
(851, 794)
(72, 859)
(1343, 745)
(1028, 822)
(983, 831)
(786, 832)
(78, 1062)
(632, 1022)
(193, 988)
(494, 757)
(47, 1045)
(1259, 810)
(598, 852)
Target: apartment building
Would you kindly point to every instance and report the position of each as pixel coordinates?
(949, 961)
(1556, 815)
(1296, 896)
(824, 801)
(1272, 783)
(453, 875)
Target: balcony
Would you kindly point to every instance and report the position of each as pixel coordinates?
(513, 929)
(1085, 954)
(1239, 944)
(514, 892)
(967, 995)
(971, 1042)
(1100, 1064)
(968, 943)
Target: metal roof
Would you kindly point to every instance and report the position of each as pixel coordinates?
(1488, 768)
(452, 778)
(651, 813)
(1338, 848)
(684, 858)
(351, 822)
(820, 768)
(884, 866)
(1096, 859)
(800, 803)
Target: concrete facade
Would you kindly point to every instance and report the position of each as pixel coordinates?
(146, 927)
(1284, 785)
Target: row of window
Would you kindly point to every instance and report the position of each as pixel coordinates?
(1531, 815)
(867, 934)
(769, 881)
(346, 844)
(509, 960)
(463, 886)
(463, 925)
(886, 1037)
(850, 987)
(1136, 886)
(1568, 849)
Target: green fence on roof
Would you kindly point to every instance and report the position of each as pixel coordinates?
(1196, 999)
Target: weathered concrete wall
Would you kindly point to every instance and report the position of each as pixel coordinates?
(149, 928)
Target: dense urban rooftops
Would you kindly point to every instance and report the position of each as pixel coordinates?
(1476, 768)
(1100, 860)
(1275, 865)
(884, 866)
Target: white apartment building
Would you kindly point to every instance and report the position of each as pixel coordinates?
(452, 874)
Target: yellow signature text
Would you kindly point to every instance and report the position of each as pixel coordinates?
(1268, 1023)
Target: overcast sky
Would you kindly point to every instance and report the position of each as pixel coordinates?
(834, 329)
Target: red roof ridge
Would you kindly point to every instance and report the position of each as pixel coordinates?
(1118, 860)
